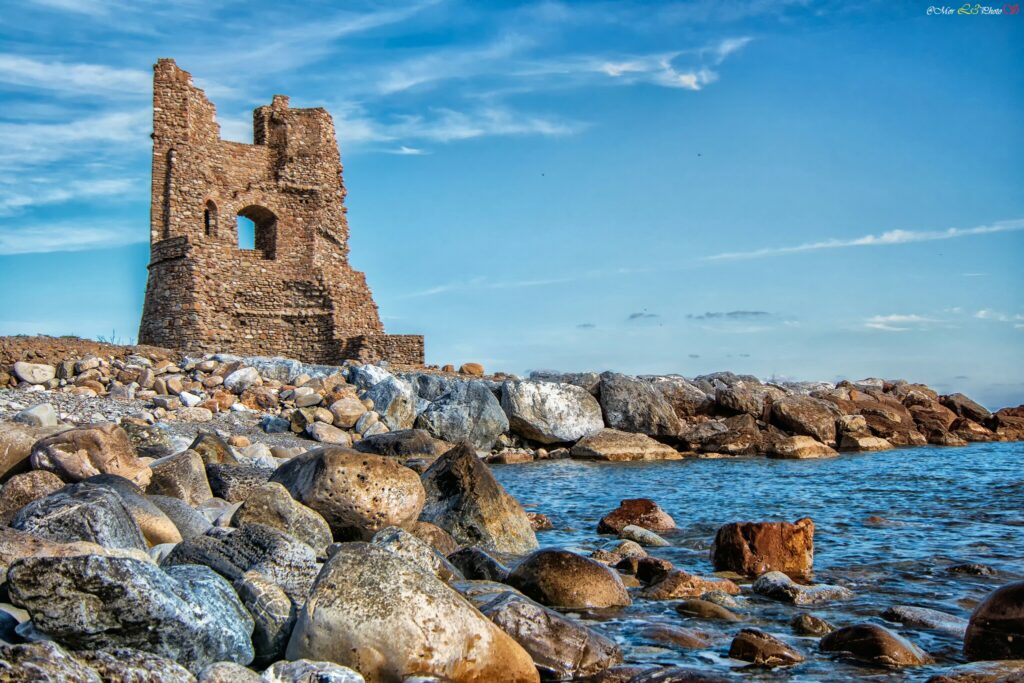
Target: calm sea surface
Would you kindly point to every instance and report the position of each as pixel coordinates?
(937, 507)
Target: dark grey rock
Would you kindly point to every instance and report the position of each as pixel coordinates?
(468, 412)
(82, 512)
(630, 404)
(235, 483)
(189, 521)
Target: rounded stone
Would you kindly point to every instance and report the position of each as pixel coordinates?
(559, 578)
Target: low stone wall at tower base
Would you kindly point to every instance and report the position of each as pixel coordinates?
(402, 349)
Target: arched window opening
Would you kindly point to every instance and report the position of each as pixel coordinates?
(257, 230)
(210, 219)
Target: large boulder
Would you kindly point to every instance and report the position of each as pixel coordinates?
(613, 445)
(806, 415)
(82, 452)
(559, 578)
(464, 498)
(753, 548)
(272, 505)
(874, 644)
(642, 512)
(736, 435)
(685, 397)
(358, 494)
(16, 441)
(996, 628)
(799, 448)
(82, 512)
(395, 401)
(415, 551)
(562, 648)
(22, 489)
(631, 404)
(187, 614)
(33, 373)
(747, 396)
(156, 527)
(547, 412)
(16, 545)
(181, 476)
(235, 483)
(965, 407)
(468, 412)
(403, 443)
(388, 619)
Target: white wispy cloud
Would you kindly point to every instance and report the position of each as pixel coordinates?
(407, 151)
(12, 201)
(889, 238)
(72, 78)
(897, 322)
(67, 236)
(996, 316)
(24, 144)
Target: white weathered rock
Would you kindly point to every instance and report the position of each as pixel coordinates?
(189, 399)
(241, 379)
(550, 413)
(34, 373)
(42, 415)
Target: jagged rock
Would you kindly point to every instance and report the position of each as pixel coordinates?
(679, 584)
(187, 614)
(439, 539)
(910, 615)
(403, 443)
(778, 586)
(468, 412)
(996, 625)
(189, 522)
(273, 613)
(464, 498)
(22, 489)
(476, 564)
(705, 609)
(394, 400)
(685, 397)
(753, 548)
(413, 550)
(642, 512)
(280, 558)
(357, 494)
(149, 441)
(616, 446)
(213, 449)
(42, 662)
(630, 404)
(33, 373)
(561, 648)
(799, 448)
(737, 435)
(550, 413)
(181, 476)
(82, 452)
(82, 512)
(308, 671)
(156, 527)
(874, 644)
(747, 396)
(806, 415)
(127, 664)
(235, 483)
(965, 407)
(763, 649)
(810, 625)
(559, 578)
(422, 626)
(272, 505)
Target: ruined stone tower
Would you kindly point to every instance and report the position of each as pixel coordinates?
(295, 294)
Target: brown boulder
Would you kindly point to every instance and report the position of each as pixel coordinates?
(559, 578)
(616, 446)
(763, 649)
(679, 584)
(753, 548)
(472, 369)
(855, 442)
(799, 448)
(874, 644)
(82, 452)
(642, 512)
(965, 407)
(16, 441)
(996, 628)
(22, 489)
(737, 435)
(806, 415)
(181, 476)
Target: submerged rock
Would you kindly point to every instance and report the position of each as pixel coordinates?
(559, 578)
(996, 628)
(909, 615)
(753, 548)
(704, 609)
(763, 649)
(676, 637)
(644, 537)
(810, 625)
(778, 586)
(680, 584)
(874, 644)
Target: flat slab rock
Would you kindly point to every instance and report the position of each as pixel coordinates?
(615, 446)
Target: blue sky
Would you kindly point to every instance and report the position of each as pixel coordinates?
(798, 189)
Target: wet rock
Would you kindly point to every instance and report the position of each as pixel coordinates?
(358, 494)
(181, 476)
(778, 586)
(630, 404)
(617, 446)
(972, 568)
(652, 569)
(806, 415)
(464, 498)
(42, 662)
(923, 617)
(642, 512)
(799, 448)
(547, 412)
(559, 578)
(189, 522)
(720, 597)
(423, 626)
(678, 674)
(476, 564)
(644, 537)
(874, 644)
(308, 671)
(539, 521)
(82, 512)
(127, 664)
(403, 443)
(22, 489)
(561, 648)
(187, 614)
(82, 452)
(213, 449)
(752, 548)
(680, 584)
(468, 412)
(273, 612)
(439, 539)
(810, 625)
(996, 625)
(676, 637)
(273, 506)
(235, 483)
(763, 649)
(1007, 671)
(156, 527)
(413, 550)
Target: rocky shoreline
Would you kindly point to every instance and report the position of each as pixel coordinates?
(174, 518)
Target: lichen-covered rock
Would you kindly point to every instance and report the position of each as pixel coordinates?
(356, 493)
(235, 483)
(308, 671)
(15, 545)
(547, 412)
(630, 404)
(413, 550)
(617, 446)
(22, 489)
(82, 512)
(642, 512)
(778, 586)
(85, 451)
(273, 613)
(679, 584)
(763, 649)
(468, 412)
(181, 476)
(753, 548)
(562, 648)
(559, 578)
(874, 644)
(156, 527)
(272, 505)
(388, 619)
(128, 665)
(187, 614)
(464, 498)
(42, 662)
(997, 624)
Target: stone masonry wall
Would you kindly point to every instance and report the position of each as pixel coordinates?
(295, 294)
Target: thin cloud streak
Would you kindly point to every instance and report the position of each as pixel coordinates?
(72, 79)
(36, 239)
(885, 239)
